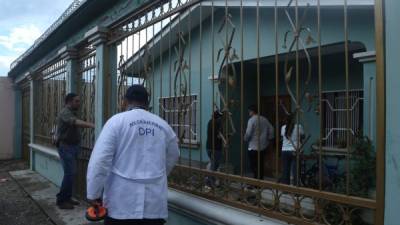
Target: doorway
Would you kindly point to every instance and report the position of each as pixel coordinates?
(272, 160)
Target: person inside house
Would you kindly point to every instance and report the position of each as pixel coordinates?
(214, 140)
(131, 159)
(214, 143)
(258, 134)
(292, 134)
(68, 141)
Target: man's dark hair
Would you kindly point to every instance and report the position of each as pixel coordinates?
(70, 97)
(137, 93)
(253, 108)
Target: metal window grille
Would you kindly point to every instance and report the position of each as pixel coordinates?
(334, 108)
(181, 114)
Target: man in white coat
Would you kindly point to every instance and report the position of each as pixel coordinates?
(130, 162)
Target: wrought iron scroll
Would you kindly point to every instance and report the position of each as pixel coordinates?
(181, 69)
(297, 29)
(87, 76)
(155, 12)
(147, 62)
(227, 72)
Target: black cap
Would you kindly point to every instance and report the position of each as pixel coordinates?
(137, 93)
(253, 108)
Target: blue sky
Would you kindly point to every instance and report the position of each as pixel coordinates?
(21, 23)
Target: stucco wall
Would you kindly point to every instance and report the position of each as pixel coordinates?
(392, 181)
(6, 118)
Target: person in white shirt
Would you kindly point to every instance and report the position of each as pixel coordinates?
(292, 134)
(130, 162)
(259, 132)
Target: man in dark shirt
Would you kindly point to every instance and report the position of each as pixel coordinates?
(68, 141)
(214, 140)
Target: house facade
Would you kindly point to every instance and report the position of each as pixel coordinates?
(330, 64)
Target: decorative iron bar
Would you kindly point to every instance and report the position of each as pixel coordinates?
(124, 79)
(224, 53)
(87, 78)
(151, 14)
(26, 131)
(49, 98)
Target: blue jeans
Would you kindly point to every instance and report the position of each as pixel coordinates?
(289, 166)
(68, 156)
(254, 161)
(215, 159)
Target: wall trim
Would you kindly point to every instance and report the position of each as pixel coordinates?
(365, 56)
(214, 212)
(44, 149)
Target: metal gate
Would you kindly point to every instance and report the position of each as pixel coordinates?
(49, 99)
(225, 55)
(87, 78)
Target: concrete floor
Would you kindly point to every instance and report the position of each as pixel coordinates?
(44, 193)
(16, 207)
(27, 198)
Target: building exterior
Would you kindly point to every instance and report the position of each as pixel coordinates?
(7, 119)
(331, 64)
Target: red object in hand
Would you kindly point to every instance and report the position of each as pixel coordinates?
(96, 212)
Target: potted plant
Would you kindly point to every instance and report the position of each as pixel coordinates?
(363, 175)
(363, 167)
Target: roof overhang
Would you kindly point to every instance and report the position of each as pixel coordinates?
(81, 17)
(134, 64)
(284, 3)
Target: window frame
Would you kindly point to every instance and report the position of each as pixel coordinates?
(165, 113)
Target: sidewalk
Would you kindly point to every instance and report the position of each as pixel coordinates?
(16, 207)
(27, 198)
(43, 192)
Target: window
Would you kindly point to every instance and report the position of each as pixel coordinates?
(335, 116)
(181, 113)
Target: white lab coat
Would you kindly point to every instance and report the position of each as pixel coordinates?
(130, 161)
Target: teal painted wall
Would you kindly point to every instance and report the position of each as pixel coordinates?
(199, 83)
(370, 100)
(49, 167)
(361, 25)
(333, 78)
(392, 183)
